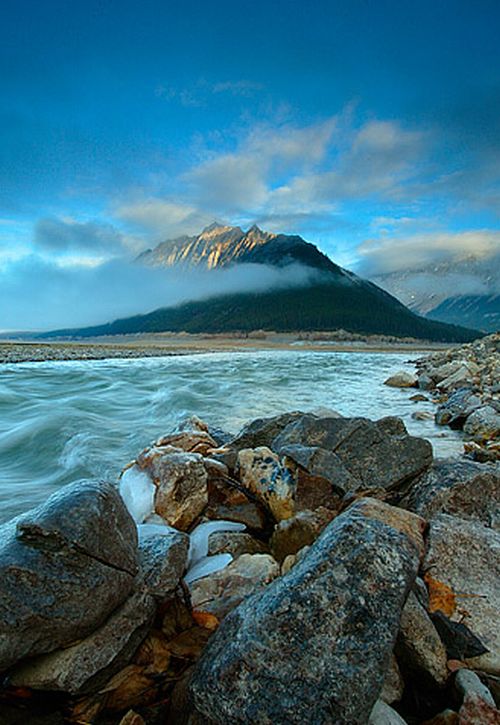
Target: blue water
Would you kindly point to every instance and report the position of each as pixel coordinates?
(65, 421)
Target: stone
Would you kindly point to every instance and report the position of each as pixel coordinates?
(378, 454)
(235, 543)
(262, 473)
(86, 665)
(321, 463)
(483, 424)
(402, 379)
(382, 714)
(419, 646)
(163, 560)
(422, 415)
(188, 441)
(447, 717)
(181, 485)
(460, 377)
(292, 534)
(419, 398)
(478, 706)
(291, 653)
(392, 689)
(64, 567)
(462, 488)
(425, 382)
(222, 591)
(262, 431)
(132, 718)
(464, 555)
(454, 411)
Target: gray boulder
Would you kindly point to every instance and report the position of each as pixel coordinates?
(483, 424)
(64, 567)
(163, 559)
(454, 411)
(262, 431)
(463, 488)
(314, 646)
(320, 462)
(377, 454)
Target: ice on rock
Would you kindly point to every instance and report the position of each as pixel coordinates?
(138, 493)
(207, 565)
(198, 544)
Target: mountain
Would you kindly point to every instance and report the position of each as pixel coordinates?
(333, 297)
(465, 291)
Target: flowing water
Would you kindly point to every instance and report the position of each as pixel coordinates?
(65, 421)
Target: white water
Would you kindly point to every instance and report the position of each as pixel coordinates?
(65, 421)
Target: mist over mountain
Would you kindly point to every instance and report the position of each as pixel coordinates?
(324, 296)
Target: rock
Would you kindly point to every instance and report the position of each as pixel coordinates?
(402, 379)
(181, 483)
(419, 398)
(320, 463)
(189, 441)
(419, 646)
(64, 567)
(262, 431)
(464, 555)
(425, 382)
(235, 543)
(460, 377)
(85, 666)
(224, 590)
(291, 653)
(392, 689)
(454, 411)
(262, 473)
(132, 718)
(382, 714)
(378, 455)
(461, 488)
(478, 706)
(422, 415)
(483, 424)
(292, 534)
(163, 560)
(447, 717)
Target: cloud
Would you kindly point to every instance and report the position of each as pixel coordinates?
(237, 88)
(393, 254)
(165, 218)
(61, 236)
(37, 294)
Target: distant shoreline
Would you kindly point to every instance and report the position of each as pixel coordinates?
(161, 345)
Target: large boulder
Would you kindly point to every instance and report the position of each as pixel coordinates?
(64, 567)
(315, 644)
(465, 555)
(402, 379)
(454, 411)
(483, 424)
(377, 454)
(262, 473)
(462, 488)
(89, 663)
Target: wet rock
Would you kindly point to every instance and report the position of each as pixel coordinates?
(64, 567)
(419, 398)
(419, 646)
(382, 714)
(235, 543)
(464, 555)
(262, 431)
(222, 591)
(402, 379)
(290, 653)
(293, 534)
(422, 415)
(262, 473)
(483, 424)
(461, 488)
(378, 455)
(454, 411)
(181, 484)
(478, 706)
(425, 382)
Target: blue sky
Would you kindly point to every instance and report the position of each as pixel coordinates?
(370, 128)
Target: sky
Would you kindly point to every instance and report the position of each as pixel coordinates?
(370, 128)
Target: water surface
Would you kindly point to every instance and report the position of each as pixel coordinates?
(65, 421)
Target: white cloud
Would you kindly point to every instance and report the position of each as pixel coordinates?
(95, 238)
(164, 218)
(391, 254)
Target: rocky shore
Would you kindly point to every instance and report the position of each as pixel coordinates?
(312, 569)
(464, 383)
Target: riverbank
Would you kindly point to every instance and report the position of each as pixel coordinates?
(165, 345)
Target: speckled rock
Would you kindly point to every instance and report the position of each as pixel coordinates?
(419, 646)
(291, 653)
(465, 555)
(392, 689)
(378, 454)
(478, 706)
(235, 543)
(64, 567)
(262, 473)
(483, 424)
(321, 463)
(163, 559)
(463, 488)
(293, 534)
(222, 591)
(382, 714)
(454, 411)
